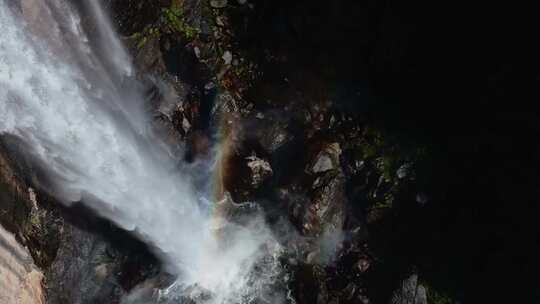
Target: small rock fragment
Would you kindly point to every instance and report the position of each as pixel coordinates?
(209, 86)
(332, 121)
(197, 52)
(260, 170)
(404, 171)
(317, 183)
(219, 21)
(227, 57)
(102, 271)
(312, 257)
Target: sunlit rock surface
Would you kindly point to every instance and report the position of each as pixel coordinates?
(20, 280)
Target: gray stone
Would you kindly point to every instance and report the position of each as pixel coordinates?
(324, 163)
(328, 159)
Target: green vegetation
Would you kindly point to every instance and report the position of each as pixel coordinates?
(174, 18)
(172, 21)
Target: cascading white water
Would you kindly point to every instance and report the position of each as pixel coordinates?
(70, 97)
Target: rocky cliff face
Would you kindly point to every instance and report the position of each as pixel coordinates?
(21, 281)
(79, 257)
(333, 117)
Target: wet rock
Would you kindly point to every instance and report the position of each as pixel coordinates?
(21, 213)
(80, 273)
(192, 294)
(323, 163)
(404, 171)
(327, 208)
(312, 257)
(186, 126)
(227, 57)
(218, 3)
(220, 21)
(94, 265)
(410, 292)
(197, 52)
(260, 170)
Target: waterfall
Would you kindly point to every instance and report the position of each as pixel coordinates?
(71, 97)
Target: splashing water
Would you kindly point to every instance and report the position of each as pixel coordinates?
(72, 99)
